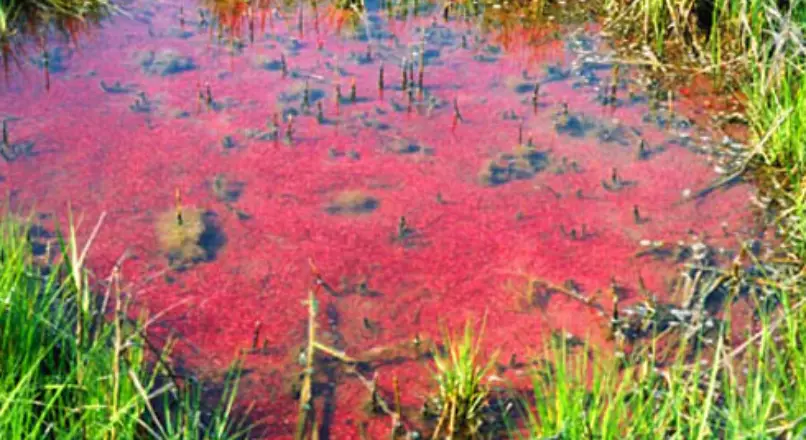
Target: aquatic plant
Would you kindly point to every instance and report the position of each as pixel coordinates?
(352, 203)
(462, 393)
(179, 233)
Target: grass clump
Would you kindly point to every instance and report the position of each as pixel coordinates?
(74, 365)
(754, 389)
(462, 393)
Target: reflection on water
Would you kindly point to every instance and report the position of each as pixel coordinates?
(433, 166)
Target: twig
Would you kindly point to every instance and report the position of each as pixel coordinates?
(306, 392)
(340, 355)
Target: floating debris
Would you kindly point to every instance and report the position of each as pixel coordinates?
(352, 203)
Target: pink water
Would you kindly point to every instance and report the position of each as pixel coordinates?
(473, 246)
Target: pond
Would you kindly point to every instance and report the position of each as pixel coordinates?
(430, 165)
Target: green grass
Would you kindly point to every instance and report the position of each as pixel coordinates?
(74, 365)
(462, 391)
(753, 47)
(754, 390)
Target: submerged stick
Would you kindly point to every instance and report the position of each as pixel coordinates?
(643, 151)
(306, 96)
(306, 393)
(178, 204)
(421, 67)
(320, 112)
(589, 301)
(340, 355)
(404, 80)
(209, 98)
(613, 85)
(456, 115)
(535, 96)
(256, 336)
(289, 130)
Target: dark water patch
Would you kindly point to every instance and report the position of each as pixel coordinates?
(116, 88)
(524, 87)
(53, 60)
(164, 62)
(180, 114)
(340, 71)
(143, 104)
(261, 135)
(300, 94)
(566, 166)
(666, 120)
(13, 151)
(442, 36)
(291, 45)
(615, 134)
(645, 151)
(509, 115)
(556, 73)
(431, 57)
(229, 142)
(407, 147)
(573, 124)
(225, 189)
(182, 34)
(266, 63)
(219, 105)
(485, 58)
(524, 162)
(289, 112)
(374, 123)
(360, 58)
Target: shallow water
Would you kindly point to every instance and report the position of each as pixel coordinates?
(156, 103)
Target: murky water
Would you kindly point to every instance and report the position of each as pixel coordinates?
(420, 206)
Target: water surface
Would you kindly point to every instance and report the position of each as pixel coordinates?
(420, 207)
